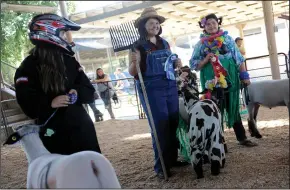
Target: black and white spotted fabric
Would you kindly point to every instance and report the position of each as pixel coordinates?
(204, 122)
(205, 132)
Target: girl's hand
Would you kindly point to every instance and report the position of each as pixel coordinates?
(60, 101)
(208, 57)
(247, 82)
(73, 91)
(136, 56)
(178, 63)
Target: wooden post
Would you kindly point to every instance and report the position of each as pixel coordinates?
(189, 42)
(173, 45)
(241, 29)
(63, 10)
(269, 23)
(109, 58)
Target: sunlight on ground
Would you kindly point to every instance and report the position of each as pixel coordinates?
(139, 136)
(125, 112)
(271, 123)
(268, 124)
(261, 124)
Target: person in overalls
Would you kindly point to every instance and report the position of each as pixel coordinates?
(162, 92)
(44, 81)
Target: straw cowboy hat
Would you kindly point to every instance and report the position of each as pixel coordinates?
(149, 12)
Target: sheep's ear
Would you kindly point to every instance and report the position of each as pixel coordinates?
(13, 138)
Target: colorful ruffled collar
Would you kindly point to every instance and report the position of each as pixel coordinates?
(213, 42)
(209, 37)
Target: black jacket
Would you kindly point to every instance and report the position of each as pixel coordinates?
(72, 125)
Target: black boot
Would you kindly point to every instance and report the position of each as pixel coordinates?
(205, 159)
(180, 164)
(225, 145)
(241, 135)
(215, 167)
(198, 169)
(253, 129)
(160, 175)
(247, 143)
(223, 163)
(98, 116)
(226, 148)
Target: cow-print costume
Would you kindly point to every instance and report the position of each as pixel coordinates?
(204, 126)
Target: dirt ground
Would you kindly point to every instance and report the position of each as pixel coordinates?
(127, 144)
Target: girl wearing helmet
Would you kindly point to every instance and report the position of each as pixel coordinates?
(51, 83)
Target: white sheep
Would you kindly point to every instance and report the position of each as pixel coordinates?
(268, 93)
(86, 169)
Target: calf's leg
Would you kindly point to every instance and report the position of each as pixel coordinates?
(198, 169)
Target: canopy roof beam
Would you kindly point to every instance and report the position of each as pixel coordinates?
(119, 11)
(28, 8)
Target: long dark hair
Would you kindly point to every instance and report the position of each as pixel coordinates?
(51, 68)
(100, 77)
(213, 16)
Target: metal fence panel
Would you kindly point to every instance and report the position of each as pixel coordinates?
(258, 68)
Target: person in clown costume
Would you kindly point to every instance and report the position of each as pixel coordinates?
(221, 65)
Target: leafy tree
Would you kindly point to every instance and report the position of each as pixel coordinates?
(71, 7)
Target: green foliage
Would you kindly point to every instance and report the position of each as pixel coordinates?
(15, 44)
(71, 7)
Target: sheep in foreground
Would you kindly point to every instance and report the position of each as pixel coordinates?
(268, 93)
(86, 169)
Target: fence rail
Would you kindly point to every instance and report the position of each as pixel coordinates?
(128, 99)
(284, 67)
(254, 76)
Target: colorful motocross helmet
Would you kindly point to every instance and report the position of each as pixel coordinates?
(46, 28)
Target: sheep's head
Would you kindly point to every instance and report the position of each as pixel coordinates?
(187, 84)
(20, 132)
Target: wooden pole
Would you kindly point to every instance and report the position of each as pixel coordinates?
(269, 23)
(63, 10)
(190, 42)
(109, 58)
(173, 44)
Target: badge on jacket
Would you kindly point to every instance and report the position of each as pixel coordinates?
(21, 80)
(49, 132)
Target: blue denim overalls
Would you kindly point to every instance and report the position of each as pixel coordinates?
(163, 99)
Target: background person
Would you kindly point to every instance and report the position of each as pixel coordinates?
(106, 89)
(239, 42)
(124, 84)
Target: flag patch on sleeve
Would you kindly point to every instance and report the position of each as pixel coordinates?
(22, 80)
